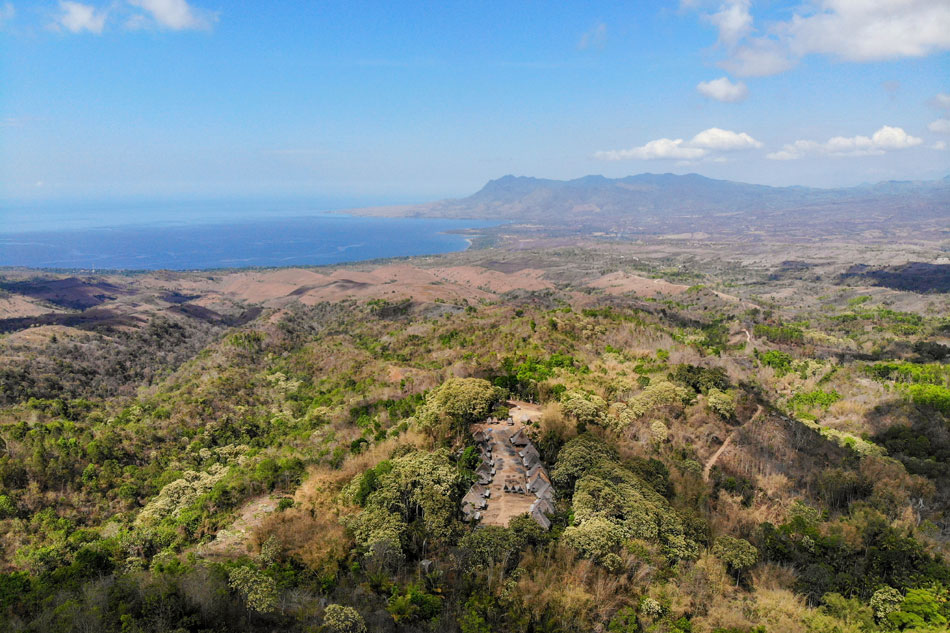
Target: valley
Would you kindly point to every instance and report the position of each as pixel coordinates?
(701, 410)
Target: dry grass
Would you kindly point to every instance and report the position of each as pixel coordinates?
(554, 420)
(778, 610)
(311, 531)
(576, 590)
(732, 517)
(773, 576)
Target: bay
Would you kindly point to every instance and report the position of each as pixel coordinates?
(312, 240)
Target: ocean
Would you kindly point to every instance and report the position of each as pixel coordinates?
(215, 235)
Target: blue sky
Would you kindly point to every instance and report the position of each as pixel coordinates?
(413, 101)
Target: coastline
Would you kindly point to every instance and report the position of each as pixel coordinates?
(327, 239)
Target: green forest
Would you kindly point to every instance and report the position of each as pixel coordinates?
(718, 466)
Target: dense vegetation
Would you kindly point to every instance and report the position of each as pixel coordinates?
(303, 471)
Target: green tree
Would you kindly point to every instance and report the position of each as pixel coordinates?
(489, 545)
(420, 488)
(585, 408)
(459, 402)
(921, 609)
(340, 619)
(738, 554)
(722, 403)
(258, 589)
(885, 601)
(577, 457)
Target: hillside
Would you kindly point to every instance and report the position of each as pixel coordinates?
(722, 445)
(669, 203)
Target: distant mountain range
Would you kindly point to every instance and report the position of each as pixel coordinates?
(670, 202)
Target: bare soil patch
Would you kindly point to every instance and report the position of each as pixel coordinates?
(16, 306)
(504, 506)
(524, 412)
(495, 280)
(235, 540)
(619, 283)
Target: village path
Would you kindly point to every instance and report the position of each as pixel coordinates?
(715, 456)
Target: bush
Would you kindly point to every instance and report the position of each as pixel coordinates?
(700, 379)
(340, 619)
(779, 333)
(459, 402)
(779, 361)
(934, 396)
(413, 605)
(585, 408)
(737, 554)
(721, 403)
(658, 394)
(921, 609)
(258, 589)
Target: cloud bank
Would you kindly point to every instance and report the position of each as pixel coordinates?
(174, 15)
(885, 139)
(849, 30)
(700, 146)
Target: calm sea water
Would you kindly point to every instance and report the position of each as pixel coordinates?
(210, 236)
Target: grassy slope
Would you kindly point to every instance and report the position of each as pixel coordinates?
(106, 499)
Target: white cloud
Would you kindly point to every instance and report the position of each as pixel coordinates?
(940, 126)
(660, 148)
(794, 151)
(869, 30)
(77, 17)
(850, 30)
(939, 145)
(712, 140)
(724, 140)
(942, 100)
(596, 37)
(894, 138)
(176, 15)
(885, 139)
(733, 21)
(723, 90)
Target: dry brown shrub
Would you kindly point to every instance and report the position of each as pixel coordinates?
(773, 576)
(848, 409)
(315, 539)
(705, 583)
(554, 420)
(732, 517)
(725, 614)
(577, 592)
(698, 417)
(778, 610)
(775, 485)
(311, 531)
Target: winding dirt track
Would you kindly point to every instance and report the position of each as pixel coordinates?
(715, 456)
